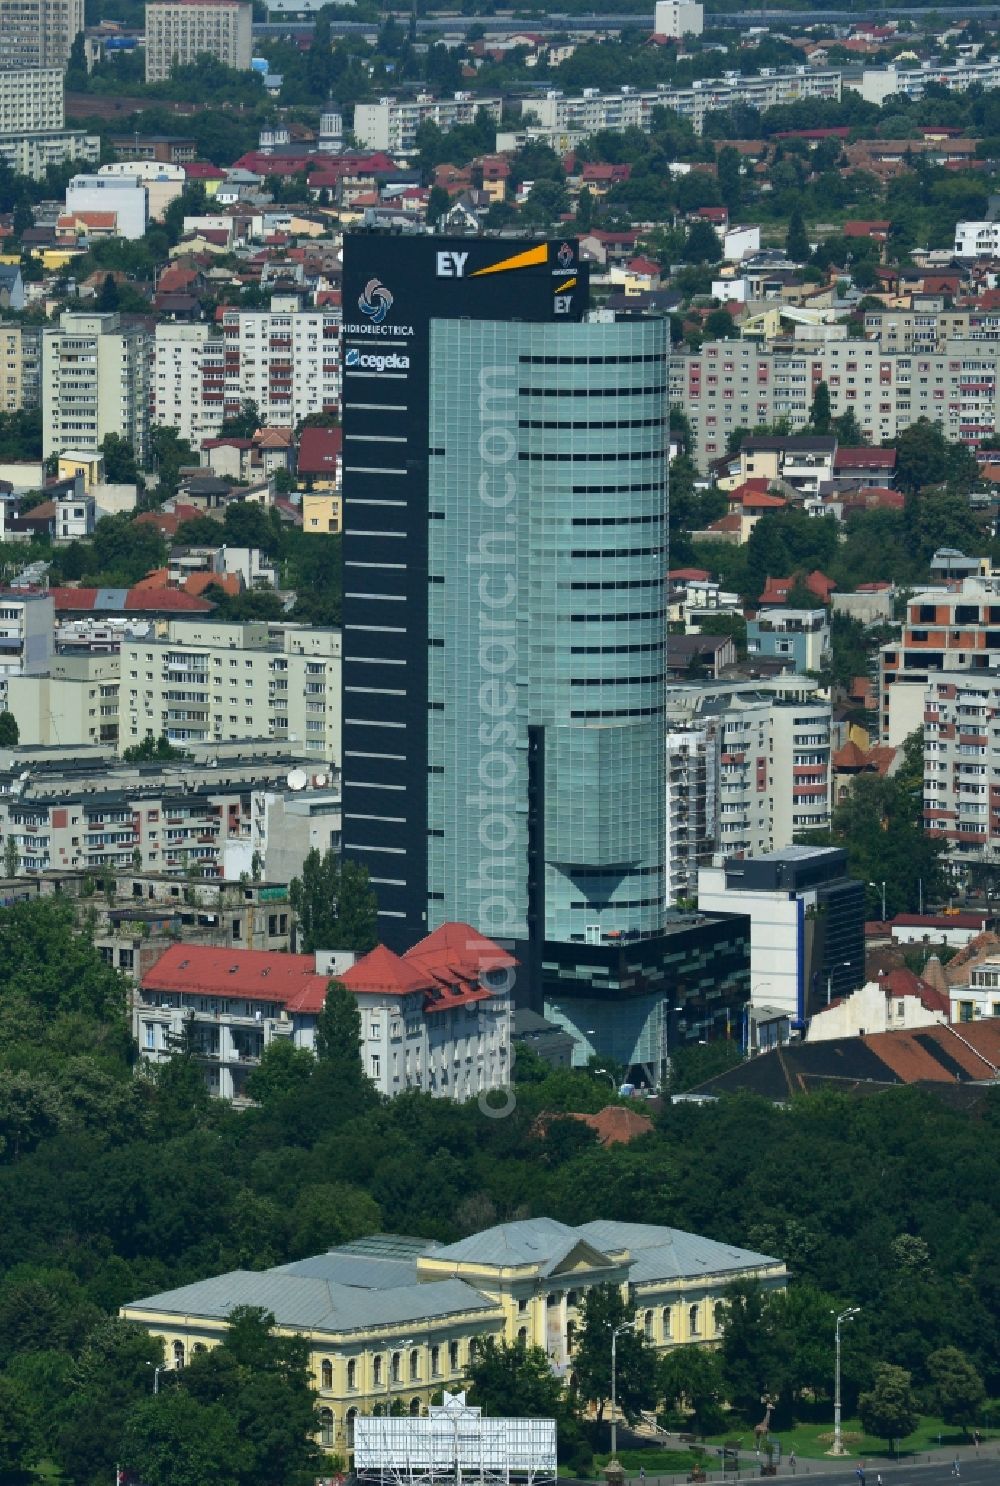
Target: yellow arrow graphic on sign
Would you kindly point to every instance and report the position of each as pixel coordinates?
(519, 260)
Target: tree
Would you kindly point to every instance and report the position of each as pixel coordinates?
(9, 731)
(751, 1359)
(690, 1380)
(108, 298)
(16, 1454)
(888, 1409)
(819, 413)
(110, 1376)
(516, 1381)
(335, 905)
(924, 456)
(120, 467)
(959, 1392)
(173, 1440)
(153, 750)
(729, 169)
(282, 1071)
(702, 243)
(244, 424)
(438, 202)
(796, 240)
(603, 1310)
(338, 1026)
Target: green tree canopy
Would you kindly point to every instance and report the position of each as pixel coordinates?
(602, 1312)
(888, 1409)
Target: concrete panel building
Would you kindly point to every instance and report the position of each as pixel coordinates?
(392, 123)
(73, 701)
(678, 18)
(206, 681)
(125, 195)
(38, 33)
(31, 99)
(95, 381)
(179, 31)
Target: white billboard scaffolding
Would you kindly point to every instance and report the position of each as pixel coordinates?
(454, 1445)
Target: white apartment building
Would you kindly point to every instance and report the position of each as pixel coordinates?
(692, 809)
(679, 18)
(436, 1019)
(961, 726)
(216, 682)
(633, 107)
(32, 154)
(38, 33)
(95, 381)
(733, 384)
(977, 239)
(946, 635)
(27, 646)
(188, 391)
(31, 99)
(876, 84)
(162, 183)
(286, 359)
(124, 195)
(766, 775)
(392, 123)
(179, 31)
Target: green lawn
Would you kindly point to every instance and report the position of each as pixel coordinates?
(655, 1462)
(811, 1441)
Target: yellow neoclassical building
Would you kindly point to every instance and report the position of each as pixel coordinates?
(390, 1321)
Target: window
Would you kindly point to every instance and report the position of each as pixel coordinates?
(647, 1326)
(394, 1367)
(666, 1323)
(352, 1376)
(178, 1354)
(435, 1362)
(522, 1307)
(326, 1374)
(377, 1370)
(453, 1356)
(693, 1320)
(326, 1428)
(720, 1315)
(375, 1066)
(414, 1366)
(415, 1408)
(522, 1336)
(349, 1418)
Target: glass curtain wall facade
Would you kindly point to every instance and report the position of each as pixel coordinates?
(547, 628)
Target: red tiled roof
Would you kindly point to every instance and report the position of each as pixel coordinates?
(616, 1124)
(319, 450)
(256, 974)
(911, 1055)
(168, 599)
(385, 973)
(866, 459)
(977, 921)
(693, 575)
(199, 583)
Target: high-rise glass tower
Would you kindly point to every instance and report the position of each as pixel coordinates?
(547, 507)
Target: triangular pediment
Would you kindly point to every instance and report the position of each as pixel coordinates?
(579, 1258)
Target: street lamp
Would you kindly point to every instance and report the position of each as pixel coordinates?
(838, 1444)
(616, 1332)
(882, 886)
(843, 965)
(156, 1376)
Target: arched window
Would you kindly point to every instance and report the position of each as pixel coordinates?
(667, 1323)
(377, 1369)
(394, 1372)
(572, 1297)
(415, 1408)
(326, 1374)
(693, 1320)
(178, 1354)
(349, 1427)
(720, 1315)
(326, 1428)
(522, 1336)
(435, 1362)
(352, 1375)
(473, 1349)
(414, 1366)
(453, 1356)
(647, 1326)
(199, 1347)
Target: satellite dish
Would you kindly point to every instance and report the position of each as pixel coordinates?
(319, 780)
(297, 779)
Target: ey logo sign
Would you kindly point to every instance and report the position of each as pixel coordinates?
(451, 265)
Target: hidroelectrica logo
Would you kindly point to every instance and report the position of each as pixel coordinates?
(376, 361)
(375, 301)
(565, 255)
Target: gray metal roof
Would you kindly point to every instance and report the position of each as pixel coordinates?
(541, 1241)
(670, 1253)
(316, 1304)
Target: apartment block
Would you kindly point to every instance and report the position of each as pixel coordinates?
(679, 18)
(179, 31)
(95, 381)
(758, 770)
(630, 107)
(392, 123)
(38, 33)
(73, 701)
(27, 626)
(962, 764)
(77, 809)
(32, 154)
(876, 84)
(31, 99)
(204, 682)
(735, 384)
(286, 359)
(20, 353)
(124, 196)
(955, 631)
(799, 637)
(929, 329)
